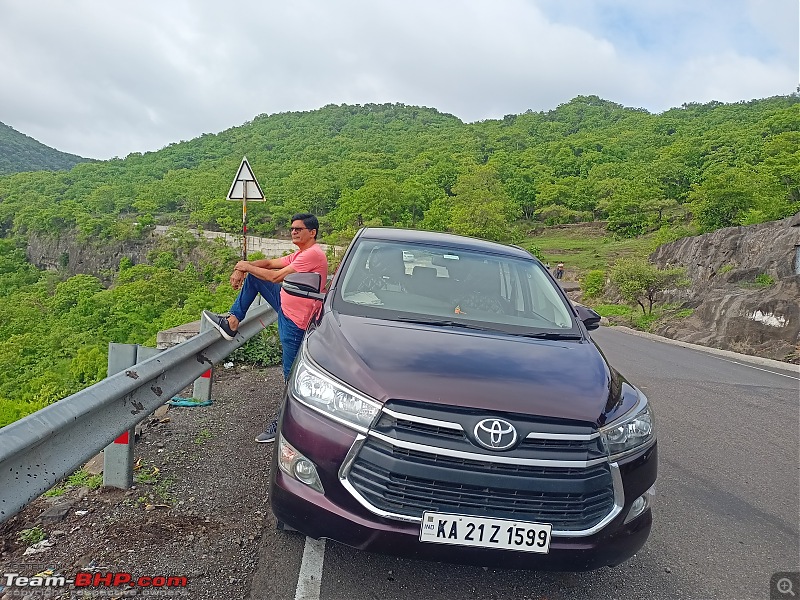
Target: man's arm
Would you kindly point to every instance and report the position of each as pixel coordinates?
(267, 263)
(265, 269)
(270, 273)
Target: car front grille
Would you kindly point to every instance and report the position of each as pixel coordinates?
(422, 458)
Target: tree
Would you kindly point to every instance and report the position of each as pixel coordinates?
(723, 197)
(482, 207)
(638, 281)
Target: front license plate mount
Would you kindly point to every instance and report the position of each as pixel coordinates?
(483, 532)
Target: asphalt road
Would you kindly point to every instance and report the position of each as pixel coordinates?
(726, 515)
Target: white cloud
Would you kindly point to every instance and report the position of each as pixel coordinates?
(105, 79)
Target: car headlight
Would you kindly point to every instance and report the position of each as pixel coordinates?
(320, 391)
(631, 432)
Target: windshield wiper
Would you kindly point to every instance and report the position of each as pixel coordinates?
(442, 323)
(550, 335)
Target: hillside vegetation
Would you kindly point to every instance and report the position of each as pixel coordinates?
(589, 159)
(638, 178)
(19, 153)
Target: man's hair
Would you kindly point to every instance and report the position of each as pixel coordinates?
(309, 220)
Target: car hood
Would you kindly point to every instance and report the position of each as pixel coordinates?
(390, 360)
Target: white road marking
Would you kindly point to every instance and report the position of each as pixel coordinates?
(309, 581)
(758, 368)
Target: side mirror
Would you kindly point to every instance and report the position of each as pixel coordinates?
(590, 318)
(303, 285)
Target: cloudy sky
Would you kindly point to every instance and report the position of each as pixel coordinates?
(104, 78)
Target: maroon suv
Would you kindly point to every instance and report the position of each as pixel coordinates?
(447, 403)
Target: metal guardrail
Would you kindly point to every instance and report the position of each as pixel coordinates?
(40, 449)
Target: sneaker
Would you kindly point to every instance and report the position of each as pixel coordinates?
(268, 436)
(220, 323)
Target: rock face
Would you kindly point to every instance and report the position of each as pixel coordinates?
(745, 289)
(96, 257)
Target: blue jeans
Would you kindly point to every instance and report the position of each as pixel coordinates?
(290, 334)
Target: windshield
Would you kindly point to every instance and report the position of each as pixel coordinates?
(448, 286)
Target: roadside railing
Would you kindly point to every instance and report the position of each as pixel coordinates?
(42, 448)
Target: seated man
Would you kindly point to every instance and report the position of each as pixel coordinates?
(264, 277)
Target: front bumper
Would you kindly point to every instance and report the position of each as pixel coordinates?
(337, 515)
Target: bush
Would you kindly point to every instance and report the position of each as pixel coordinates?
(593, 284)
(764, 280)
(263, 349)
(32, 535)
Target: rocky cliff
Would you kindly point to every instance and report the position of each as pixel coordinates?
(94, 257)
(745, 289)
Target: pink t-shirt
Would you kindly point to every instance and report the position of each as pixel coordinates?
(310, 260)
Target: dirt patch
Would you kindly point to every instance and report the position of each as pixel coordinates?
(196, 511)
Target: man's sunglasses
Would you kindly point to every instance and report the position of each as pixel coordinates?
(297, 228)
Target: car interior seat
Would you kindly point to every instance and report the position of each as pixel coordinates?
(481, 290)
(423, 281)
(386, 264)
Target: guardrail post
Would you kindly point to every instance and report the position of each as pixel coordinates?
(201, 389)
(118, 456)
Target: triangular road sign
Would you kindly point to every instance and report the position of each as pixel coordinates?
(245, 181)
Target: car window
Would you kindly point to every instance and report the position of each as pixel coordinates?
(392, 279)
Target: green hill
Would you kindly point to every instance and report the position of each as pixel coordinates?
(615, 179)
(19, 153)
(590, 159)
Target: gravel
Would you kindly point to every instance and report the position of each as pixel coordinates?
(195, 511)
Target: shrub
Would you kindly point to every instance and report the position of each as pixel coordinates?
(764, 280)
(263, 349)
(32, 535)
(594, 284)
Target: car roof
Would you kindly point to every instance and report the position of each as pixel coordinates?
(391, 234)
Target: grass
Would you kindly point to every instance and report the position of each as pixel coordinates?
(79, 478)
(584, 249)
(633, 317)
(764, 280)
(32, 535)
(202, 436)
(147, 475)
(612, 310)
(159, 487)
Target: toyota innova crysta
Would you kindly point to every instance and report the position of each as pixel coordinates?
(448, 403)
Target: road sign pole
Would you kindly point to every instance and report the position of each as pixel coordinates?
(244, 220)
(240, 185)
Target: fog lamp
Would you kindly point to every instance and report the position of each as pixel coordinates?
(641, 504)
(297, 466)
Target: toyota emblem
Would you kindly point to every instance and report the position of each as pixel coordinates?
(495, 434)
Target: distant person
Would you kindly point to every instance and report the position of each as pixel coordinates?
(264, 277)
(560, 270)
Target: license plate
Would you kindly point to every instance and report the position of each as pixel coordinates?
(464, 530)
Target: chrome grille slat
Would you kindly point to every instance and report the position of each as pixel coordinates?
(420, 457)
